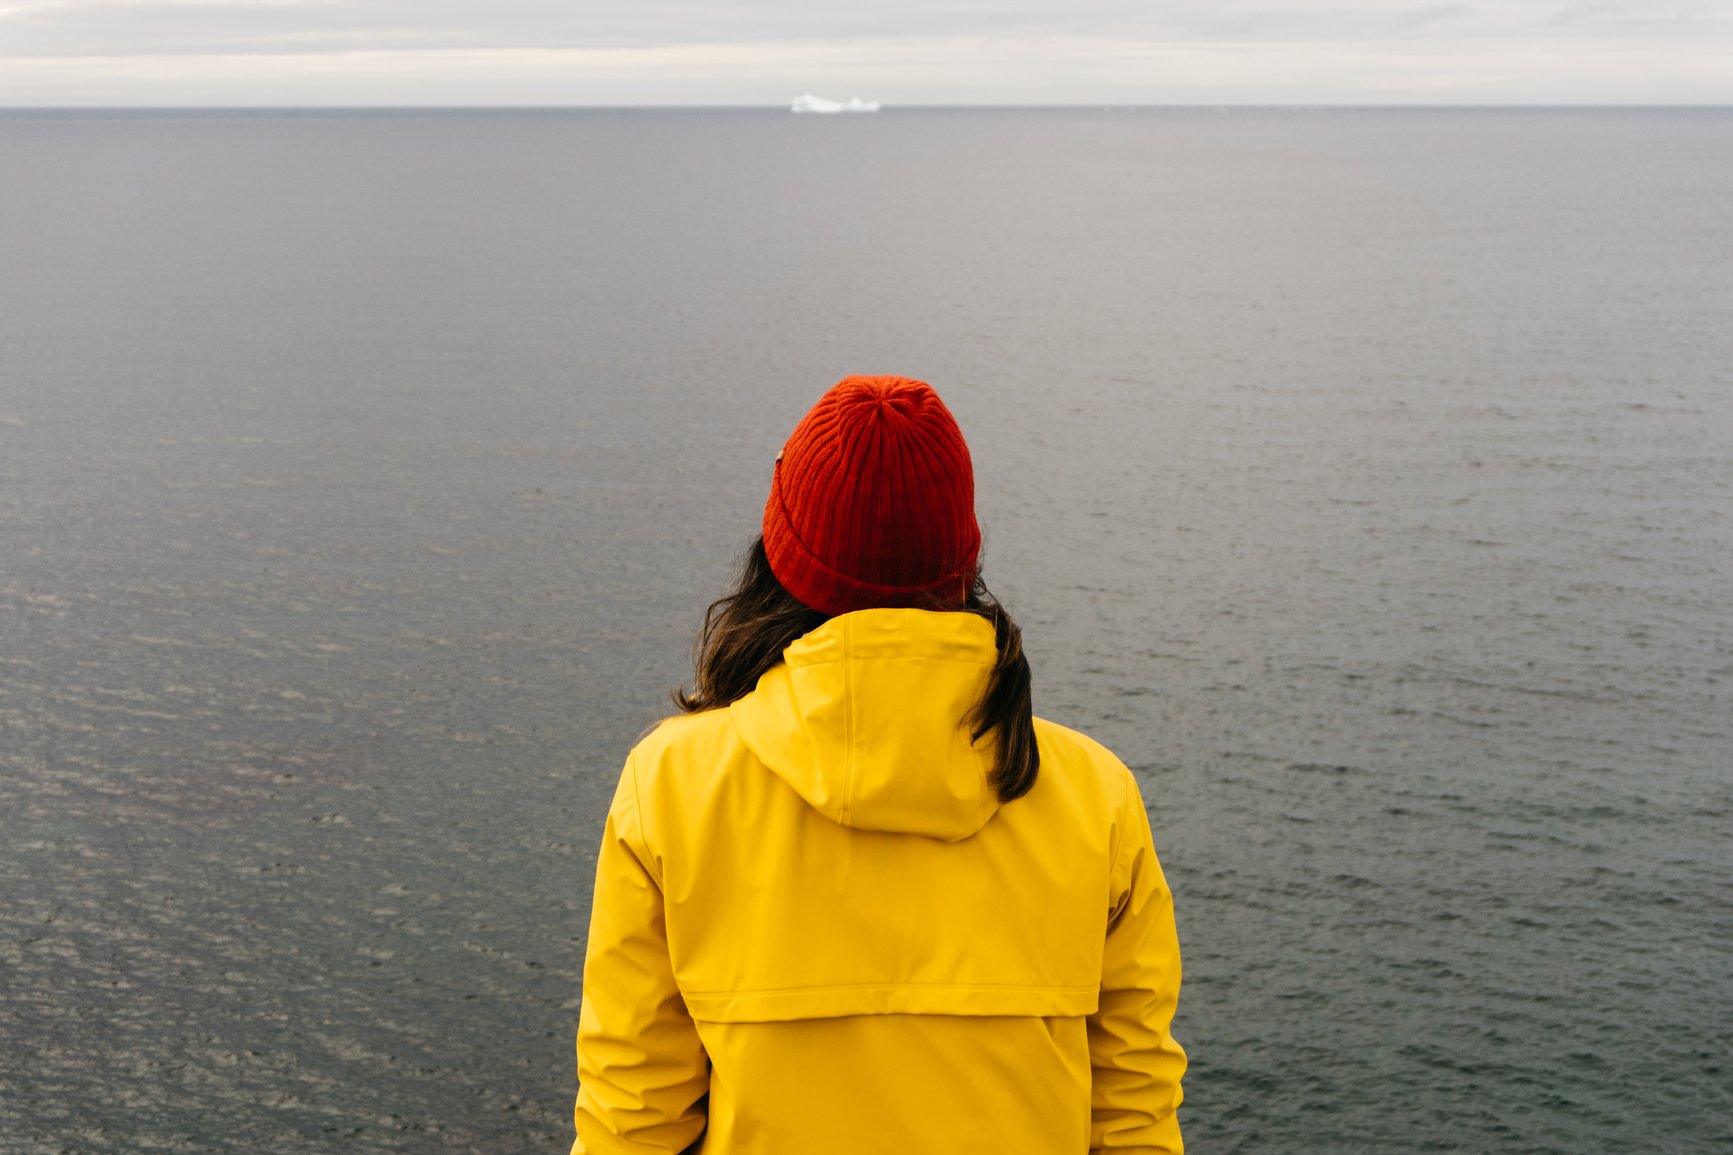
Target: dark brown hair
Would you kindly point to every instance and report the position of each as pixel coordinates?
(746, 629)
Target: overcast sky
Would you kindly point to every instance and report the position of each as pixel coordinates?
(765, 52)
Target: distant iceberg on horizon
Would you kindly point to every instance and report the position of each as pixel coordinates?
(811, 103)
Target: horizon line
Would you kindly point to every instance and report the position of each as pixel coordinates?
(1299, 105)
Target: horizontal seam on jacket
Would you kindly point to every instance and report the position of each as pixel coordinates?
(898, 987)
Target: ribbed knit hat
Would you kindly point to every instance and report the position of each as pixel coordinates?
(873, 501)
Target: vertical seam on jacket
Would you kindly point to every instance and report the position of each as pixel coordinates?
(1119, 839)
(638, 821)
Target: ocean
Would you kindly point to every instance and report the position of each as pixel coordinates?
(1363, 478)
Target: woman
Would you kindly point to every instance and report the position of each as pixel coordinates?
(857, 898)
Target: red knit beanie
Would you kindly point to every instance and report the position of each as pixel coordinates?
(873, 501)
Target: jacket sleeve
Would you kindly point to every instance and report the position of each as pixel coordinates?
(1136, 1064)
(642, 1071)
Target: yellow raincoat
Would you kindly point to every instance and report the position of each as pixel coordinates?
(816, 930)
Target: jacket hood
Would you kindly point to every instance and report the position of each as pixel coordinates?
(864, 718)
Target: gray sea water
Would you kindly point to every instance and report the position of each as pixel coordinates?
(1363, 478)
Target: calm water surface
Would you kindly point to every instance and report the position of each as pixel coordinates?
(1365, 479)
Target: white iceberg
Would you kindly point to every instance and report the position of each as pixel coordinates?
(811, 103)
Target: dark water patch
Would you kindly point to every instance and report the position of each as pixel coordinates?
(1316, 768)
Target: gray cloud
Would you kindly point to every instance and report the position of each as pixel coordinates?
(670, 51)
(1431, 14)
(126, 27)
(1577, 13)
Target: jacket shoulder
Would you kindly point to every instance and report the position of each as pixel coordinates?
(1095, 782)
(1074, 753)
(675, 740)
(1088, 776)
